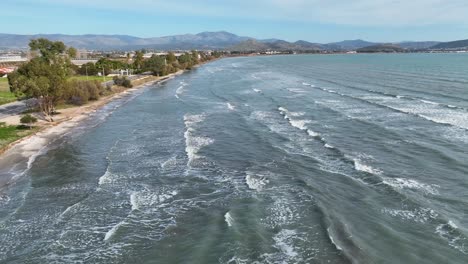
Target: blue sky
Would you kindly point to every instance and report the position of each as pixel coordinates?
(311, 20)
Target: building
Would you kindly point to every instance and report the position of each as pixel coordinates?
(11, 58)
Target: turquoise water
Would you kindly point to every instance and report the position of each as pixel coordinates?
(283, 159)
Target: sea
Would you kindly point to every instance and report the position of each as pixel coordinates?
(352, 158)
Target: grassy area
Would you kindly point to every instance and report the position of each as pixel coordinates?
(5, 95)
(91, 78)
(9, 134)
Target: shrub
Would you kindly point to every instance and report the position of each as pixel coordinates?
(123, 81)
(80, 92)
(28, 120)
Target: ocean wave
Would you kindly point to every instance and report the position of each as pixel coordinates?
(228, 219)
(230, 106)
(333, 240)
(147, 199)
(193, 144)
(255, 182)
(170, 163)
(106, 177)
(401, 183)
(284, 241)
(454, 238)
(297, 123)
(359, 165)
(420, 215)
(257, 90)
(313, 133)
(112, 231)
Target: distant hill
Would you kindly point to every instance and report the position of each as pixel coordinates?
(417, 45)
(387, 48)
(250, 45)
(204, 40)
(276, 45)
(459, 44)
(350, 44)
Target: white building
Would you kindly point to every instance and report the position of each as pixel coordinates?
(12, 58)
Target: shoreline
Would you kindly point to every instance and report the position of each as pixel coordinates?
(29, 147)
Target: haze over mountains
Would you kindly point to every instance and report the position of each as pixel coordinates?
(204, 40)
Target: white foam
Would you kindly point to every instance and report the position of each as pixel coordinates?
(312, 133)
(257, 90)
(329, 146)
(230, 106)
(301, 124)
(106, 177)
(333, 241)
(255, 182)
(401, 183)
(169, 163)
(228, 219)
(360, 166)
(284, 244)
(421, 215)
(306, 84)
(147, 199)
(193, 144)
(112, 231)
(452, 224)
(282, 109)
(134, 201)
(296, 114)
(449, 233)
(429, 102)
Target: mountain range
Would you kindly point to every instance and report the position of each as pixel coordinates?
(221, 40)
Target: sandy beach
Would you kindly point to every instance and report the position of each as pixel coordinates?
(23, 152)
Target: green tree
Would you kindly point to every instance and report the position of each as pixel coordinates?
(49, 50)
(138, 60)
(194, 54)
(28, 120)
(171, 58)
(43, 77)
(88, 69)
(72, 52)
(156, 64)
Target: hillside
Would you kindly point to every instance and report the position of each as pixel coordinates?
(386, 48)
(459, 44)
(204, 40)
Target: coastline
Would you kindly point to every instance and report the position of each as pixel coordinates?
(29, 147)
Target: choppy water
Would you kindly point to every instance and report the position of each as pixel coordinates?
(287, 159)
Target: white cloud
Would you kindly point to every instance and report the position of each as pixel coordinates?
(343, 12)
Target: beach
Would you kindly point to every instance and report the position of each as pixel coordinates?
(22, 152)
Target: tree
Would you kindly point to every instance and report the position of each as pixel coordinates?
(171, 58)
(48, 49)
(88, 69)
(72, 52)
(28, 120)
(185, 60)
(156, 64)
(194, 57)
(138, 60)
(43, 77)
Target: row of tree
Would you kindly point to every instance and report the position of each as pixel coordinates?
(157, 65)
(46, 77)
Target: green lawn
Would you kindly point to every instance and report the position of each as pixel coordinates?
(91, 78)
(5, 95)
(9, 134)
